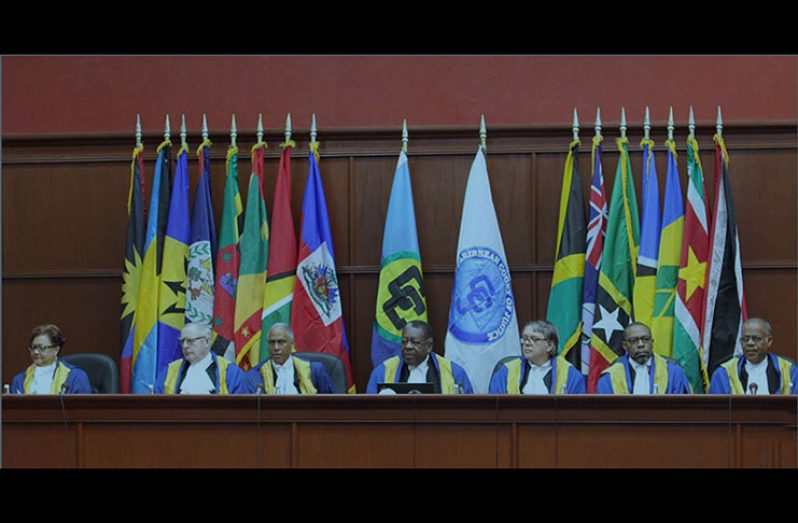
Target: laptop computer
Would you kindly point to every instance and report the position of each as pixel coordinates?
(406, 388)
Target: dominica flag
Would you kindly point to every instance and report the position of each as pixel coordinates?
(279, 291)
(202, 249)
(145, 336)
(131, 272)
(316, 314)
(646, 276)
(670, 247)
(689, 321)
(565, 298)
(724, 311)
(617, 274)
(227, 260)
(252, 270)
(172, 292)
(400, 292)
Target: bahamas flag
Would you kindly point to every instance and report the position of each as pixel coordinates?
(400, 294)
(646, 279)
(482, 323)
(172, 293)
(202, 250)
(252, 271)
(279, 292)
(145, 336)
(316, 316)
(670, 248)
(617, 275)
(131, 273)
(227, 260)
(688, 328)
(565, 299)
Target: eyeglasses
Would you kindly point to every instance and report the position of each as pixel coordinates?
(635, 341)
(183, 341)
(746, 339)
(40, 348)
(529, 340)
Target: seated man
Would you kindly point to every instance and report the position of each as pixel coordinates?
(538, 370)
(48, 374)
(418, 364)
(640, 371)
(757, 371)
(284, 374)
(199, 371)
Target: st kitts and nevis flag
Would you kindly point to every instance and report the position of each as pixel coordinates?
(145, 337)
(400, 293)
(689, 321)
(617, 274)
(172, 293)
(281, 273)
(646, 277)
(565, 298)
(725, 311)
(202, 249)
(670, 248)
(254, 246)
(131, 272)
(227, 260)
(316, 315)
(483, 327)
(596, 230)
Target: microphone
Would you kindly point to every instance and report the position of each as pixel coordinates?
(64, 388)
(150, 388)
(6, 389)
(752, 387)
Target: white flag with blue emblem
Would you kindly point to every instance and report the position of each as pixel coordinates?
(482, 324)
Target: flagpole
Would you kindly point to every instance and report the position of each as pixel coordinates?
(204, 128)
(623, 122)
(647, 126)
(691, 124)
(313, 129)
(719, 124)
(670, 125)
(138, 130)
(483, 134)
(167, 132)
(288, 128)
(183, 132)
(597, 128)
(233, 131)
(405, 138)
(575, 127)
(260, 128)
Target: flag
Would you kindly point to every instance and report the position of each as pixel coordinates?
(131, 272)
(646, 278)
(279, 291)
(202, 249)
(227, 259)
(252, 270)
(482, 322)
(596, 230)
(617, 274)
(400, 292)
(724, 310)
(689, 324)
(316, 314)
(145, 336)
(670, 247)
(565, 299)
(172, 293)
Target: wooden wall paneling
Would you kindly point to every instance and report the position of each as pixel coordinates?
(511, 186)
(356, 445)
(364, 299)
(773, 295)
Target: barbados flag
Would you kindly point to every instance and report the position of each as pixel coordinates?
(145, 337)
(316, 316)
(400, 294)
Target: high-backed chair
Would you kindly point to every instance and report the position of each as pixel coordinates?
(332, 364)
(502, 362)
(101, 369)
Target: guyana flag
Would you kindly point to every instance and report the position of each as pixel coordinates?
(252, 270)
(279, 291)
(688, 327)
(617, 274)
(670, 247)
(227, 259)
(565, 299)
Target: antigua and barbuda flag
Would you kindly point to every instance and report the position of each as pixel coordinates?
(400, 293)
(483, 327)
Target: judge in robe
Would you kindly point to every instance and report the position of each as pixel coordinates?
(757, 371)
(538, 370)
(48, 374)
(199, 371)
(640, 371)
(418, 364)
(283, 373)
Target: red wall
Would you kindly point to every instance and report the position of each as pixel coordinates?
(65, 95)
